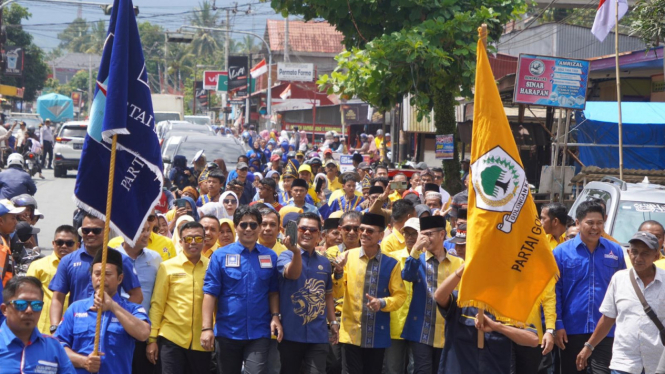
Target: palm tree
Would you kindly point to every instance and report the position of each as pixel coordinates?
(247, 45)
(96, 38)
(205, 42)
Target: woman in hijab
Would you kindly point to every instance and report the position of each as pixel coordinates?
(176, 233)
(163, 226)
(227, 232)
(303, 141)
(190, 210)
(224, 208)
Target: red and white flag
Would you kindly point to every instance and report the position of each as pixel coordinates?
(260, 69)
(606, 17)
(286, 93)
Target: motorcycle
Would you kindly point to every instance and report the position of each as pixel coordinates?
(31, 163)
(24, 262)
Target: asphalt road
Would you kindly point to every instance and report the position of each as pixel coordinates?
(54, 197)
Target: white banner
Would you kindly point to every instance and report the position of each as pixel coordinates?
(295, 72)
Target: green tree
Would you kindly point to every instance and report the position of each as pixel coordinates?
(75, 36)
(424, 48)
(206, 42)
(152, 40)
(648, 21)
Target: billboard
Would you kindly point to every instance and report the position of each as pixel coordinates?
(238, 72)
(14, 61)
(444, 147)
(210, 79)
(295, 72)
(551, 81)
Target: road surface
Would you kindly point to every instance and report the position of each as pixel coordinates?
(54, 197)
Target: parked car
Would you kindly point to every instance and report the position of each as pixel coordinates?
(628, 205)
(165, 127)
(199, 120)
(68, 147)
(213, 147)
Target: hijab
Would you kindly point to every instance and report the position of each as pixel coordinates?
(160, 215)
(192, 204)
(225, 213)
(176, 232)
(229, 222)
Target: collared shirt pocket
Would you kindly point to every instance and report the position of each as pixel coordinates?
(574, 270)
(234, 279)
(612, 263)
(116, 335)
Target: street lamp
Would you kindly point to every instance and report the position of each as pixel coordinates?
(268, 93)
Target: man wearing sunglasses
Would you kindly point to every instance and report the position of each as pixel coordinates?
(365, 331)
(306, 301)
(24, 348)
(175, 310)
(124, 322)
(73, 274)
(65, 242)
(242, 284)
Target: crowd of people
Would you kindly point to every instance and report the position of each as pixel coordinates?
(288, 264)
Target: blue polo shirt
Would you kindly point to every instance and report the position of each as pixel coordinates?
(583, 281)
(77, 331)
(241, 281)
(302, 302)
(73, 275)
(44, 354)
(146, 266)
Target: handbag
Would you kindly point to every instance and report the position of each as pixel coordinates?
(647, 308)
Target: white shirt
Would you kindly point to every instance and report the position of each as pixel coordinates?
(636, 339)
(46, 134)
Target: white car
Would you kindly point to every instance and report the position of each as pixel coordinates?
(68, 147)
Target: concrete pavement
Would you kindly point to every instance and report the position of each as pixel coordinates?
(54, 197)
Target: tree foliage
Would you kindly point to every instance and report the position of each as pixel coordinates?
(648, 21)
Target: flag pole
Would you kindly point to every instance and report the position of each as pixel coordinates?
(482, 33)
(107, 226)
(616, 55)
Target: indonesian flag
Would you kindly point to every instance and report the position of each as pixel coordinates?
(261, 68)
(286, 93)
(606, 17)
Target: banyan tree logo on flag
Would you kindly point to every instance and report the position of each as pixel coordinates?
(499, 183)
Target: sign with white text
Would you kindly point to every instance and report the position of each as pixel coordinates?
(210, 79)
(295, 72)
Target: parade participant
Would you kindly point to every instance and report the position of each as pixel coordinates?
(459, 201)
(460, 352)
(211, 229)
(190, 192)
(415, 181)
(274, 175)
(300, 156)
(437, 176)
(242, 275)
(267, 193)
(656, 228)
(332, 176)
(356, 159)
(176, 213)
(365, 185)
(465, 168)
(378, 140)
(227, 232)
(397, 194)
(349, 201)
(215, 182)
(14, 180)
(402, 210)
(298, 192)
(306, 301)
(381, 171)
(460, 241)
(315, 162)
(553, 217)
(224, 208)
(586, 260)
(433, 200)
(175, 336)
(234, 173)
(203, 182)
(73, 274)
(305, 173)
(396, 358)
(374, 194)
(248, 190)
(8, 222)
(124, 322)
(275, 164)
(637, 343)
(24, 349)
(156, 242)
(65, 241)
(572, 231)
(349, 225)
(424, 327)
(332, 235)
(270, 229)
(365, 330)
(176, 232)
(146, 263)
(237, 188)
(180, 175)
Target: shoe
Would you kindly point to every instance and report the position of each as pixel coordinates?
(42, 177)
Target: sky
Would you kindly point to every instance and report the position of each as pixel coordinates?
(48, 19)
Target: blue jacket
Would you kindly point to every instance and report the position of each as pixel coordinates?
(14, 181)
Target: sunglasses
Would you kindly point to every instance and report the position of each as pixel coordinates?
(349, 228)
(230, 201)
(151, 218)
(94, 230)
(368, 230)
(68, 243)
(304, 229)
(193, 239)
(22, 305)
(252, 225)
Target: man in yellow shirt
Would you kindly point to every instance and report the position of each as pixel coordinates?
(401, 179)
(64, 243)
(402, 210)
(372, 287)
(175, 309)
(332, 176)
(212, 230)
(158, 243)
(554, 217)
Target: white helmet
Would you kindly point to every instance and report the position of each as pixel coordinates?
(15, 159)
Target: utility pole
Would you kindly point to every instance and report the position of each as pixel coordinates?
(286, 40)
(248, 110)
(225, 96)
(166, 64)
(89, 83)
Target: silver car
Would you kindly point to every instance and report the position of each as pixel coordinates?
(68, 147)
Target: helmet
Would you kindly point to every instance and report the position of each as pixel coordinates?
(24, 200)
(15, 159)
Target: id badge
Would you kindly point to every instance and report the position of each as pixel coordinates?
(232, 261)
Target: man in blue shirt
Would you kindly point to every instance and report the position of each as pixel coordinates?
(146, 263)
(23, 349)
(242, 283)
(248, 189)
(586, 266)
(305, 287)
(123, 323)
(299, 190)
(73, 275)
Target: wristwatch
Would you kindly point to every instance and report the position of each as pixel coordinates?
(551, 332)
(334, 323)
(52, 329)
(588, 345)
(279, 316)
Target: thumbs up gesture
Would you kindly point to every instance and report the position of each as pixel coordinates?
(373, 303)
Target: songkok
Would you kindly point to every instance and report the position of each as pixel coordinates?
(299, 183)
(432, 222)
(375, 189)
(112, 257)
(430, 187)
(331, 223)
(374, 220)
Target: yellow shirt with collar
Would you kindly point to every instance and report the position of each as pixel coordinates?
(334, 185)
(394, 196)
(398, 317)
(331, 255)
(158, 243)
(549, 300)
(210, 251)
(393, 243)
(44, 269)
(278, 248)
(177, 300)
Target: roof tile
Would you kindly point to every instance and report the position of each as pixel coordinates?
(312, 36)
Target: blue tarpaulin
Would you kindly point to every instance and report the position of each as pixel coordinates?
(56, 107)
(643, 124)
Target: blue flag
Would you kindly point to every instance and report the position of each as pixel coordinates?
(122, 105)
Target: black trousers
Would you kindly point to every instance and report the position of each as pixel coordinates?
(530, 360)
(231, 354)
(303, 358)
(599, 362)
(48, 149)
(358, 360)
(140, 363)
(425, 358)
(177, 360)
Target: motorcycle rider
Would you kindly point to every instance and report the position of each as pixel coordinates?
(34, 147)
(14, 180)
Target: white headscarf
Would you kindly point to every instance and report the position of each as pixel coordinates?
(217, 209)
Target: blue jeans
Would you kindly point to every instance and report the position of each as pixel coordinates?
(622, 372)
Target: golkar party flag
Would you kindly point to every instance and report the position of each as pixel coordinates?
(122, 105)
(508, 263)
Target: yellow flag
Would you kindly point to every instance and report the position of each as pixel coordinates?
(508, 260)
